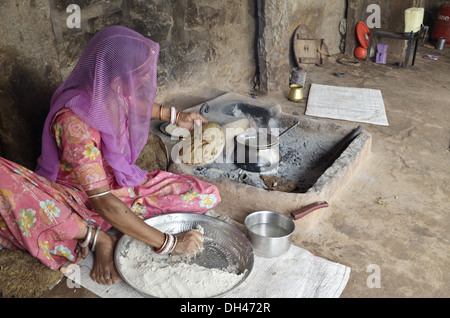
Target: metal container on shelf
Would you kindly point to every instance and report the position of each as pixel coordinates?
(298, 76)
(296, 92)
(440, 44)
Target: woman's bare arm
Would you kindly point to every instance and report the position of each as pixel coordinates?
(117, 213)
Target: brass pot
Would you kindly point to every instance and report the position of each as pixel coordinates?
(296, 93)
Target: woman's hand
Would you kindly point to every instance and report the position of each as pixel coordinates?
(190, 242)
(189, 120)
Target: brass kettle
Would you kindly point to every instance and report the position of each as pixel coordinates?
(296, 92)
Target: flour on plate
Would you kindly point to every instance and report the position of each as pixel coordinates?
(169, 276)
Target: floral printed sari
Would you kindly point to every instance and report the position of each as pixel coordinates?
(43, 217)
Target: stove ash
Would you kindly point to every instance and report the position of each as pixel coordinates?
(303, 161)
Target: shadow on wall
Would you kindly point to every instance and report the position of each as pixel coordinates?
(25, 99)
(199, 44)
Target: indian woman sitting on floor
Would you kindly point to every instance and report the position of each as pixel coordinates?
(86, 181)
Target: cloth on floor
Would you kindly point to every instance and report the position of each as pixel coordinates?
(347, 103)
(296, 274)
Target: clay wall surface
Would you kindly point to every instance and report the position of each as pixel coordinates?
(206, 42)
(244, 46)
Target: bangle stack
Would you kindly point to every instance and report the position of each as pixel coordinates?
(89, 235)
(170, 241)
(174, 115)
(94, 242)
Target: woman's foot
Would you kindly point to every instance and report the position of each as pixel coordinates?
(104, 271)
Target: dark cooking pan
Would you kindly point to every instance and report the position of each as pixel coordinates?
(270, 233)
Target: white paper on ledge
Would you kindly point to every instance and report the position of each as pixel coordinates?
(347, 103)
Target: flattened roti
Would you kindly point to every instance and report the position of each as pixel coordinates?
(204, 147)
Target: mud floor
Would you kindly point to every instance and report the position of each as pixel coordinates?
(390, 223)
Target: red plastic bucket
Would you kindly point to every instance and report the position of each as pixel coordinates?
(442, 24)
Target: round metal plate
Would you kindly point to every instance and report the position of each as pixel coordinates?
(224, 244)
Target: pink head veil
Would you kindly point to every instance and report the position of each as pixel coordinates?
(112, 89)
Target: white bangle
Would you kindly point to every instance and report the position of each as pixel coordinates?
(173, 246)
(99, 194)
(173, 115)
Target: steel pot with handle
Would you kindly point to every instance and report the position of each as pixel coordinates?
(270, 233)
(258, 152)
